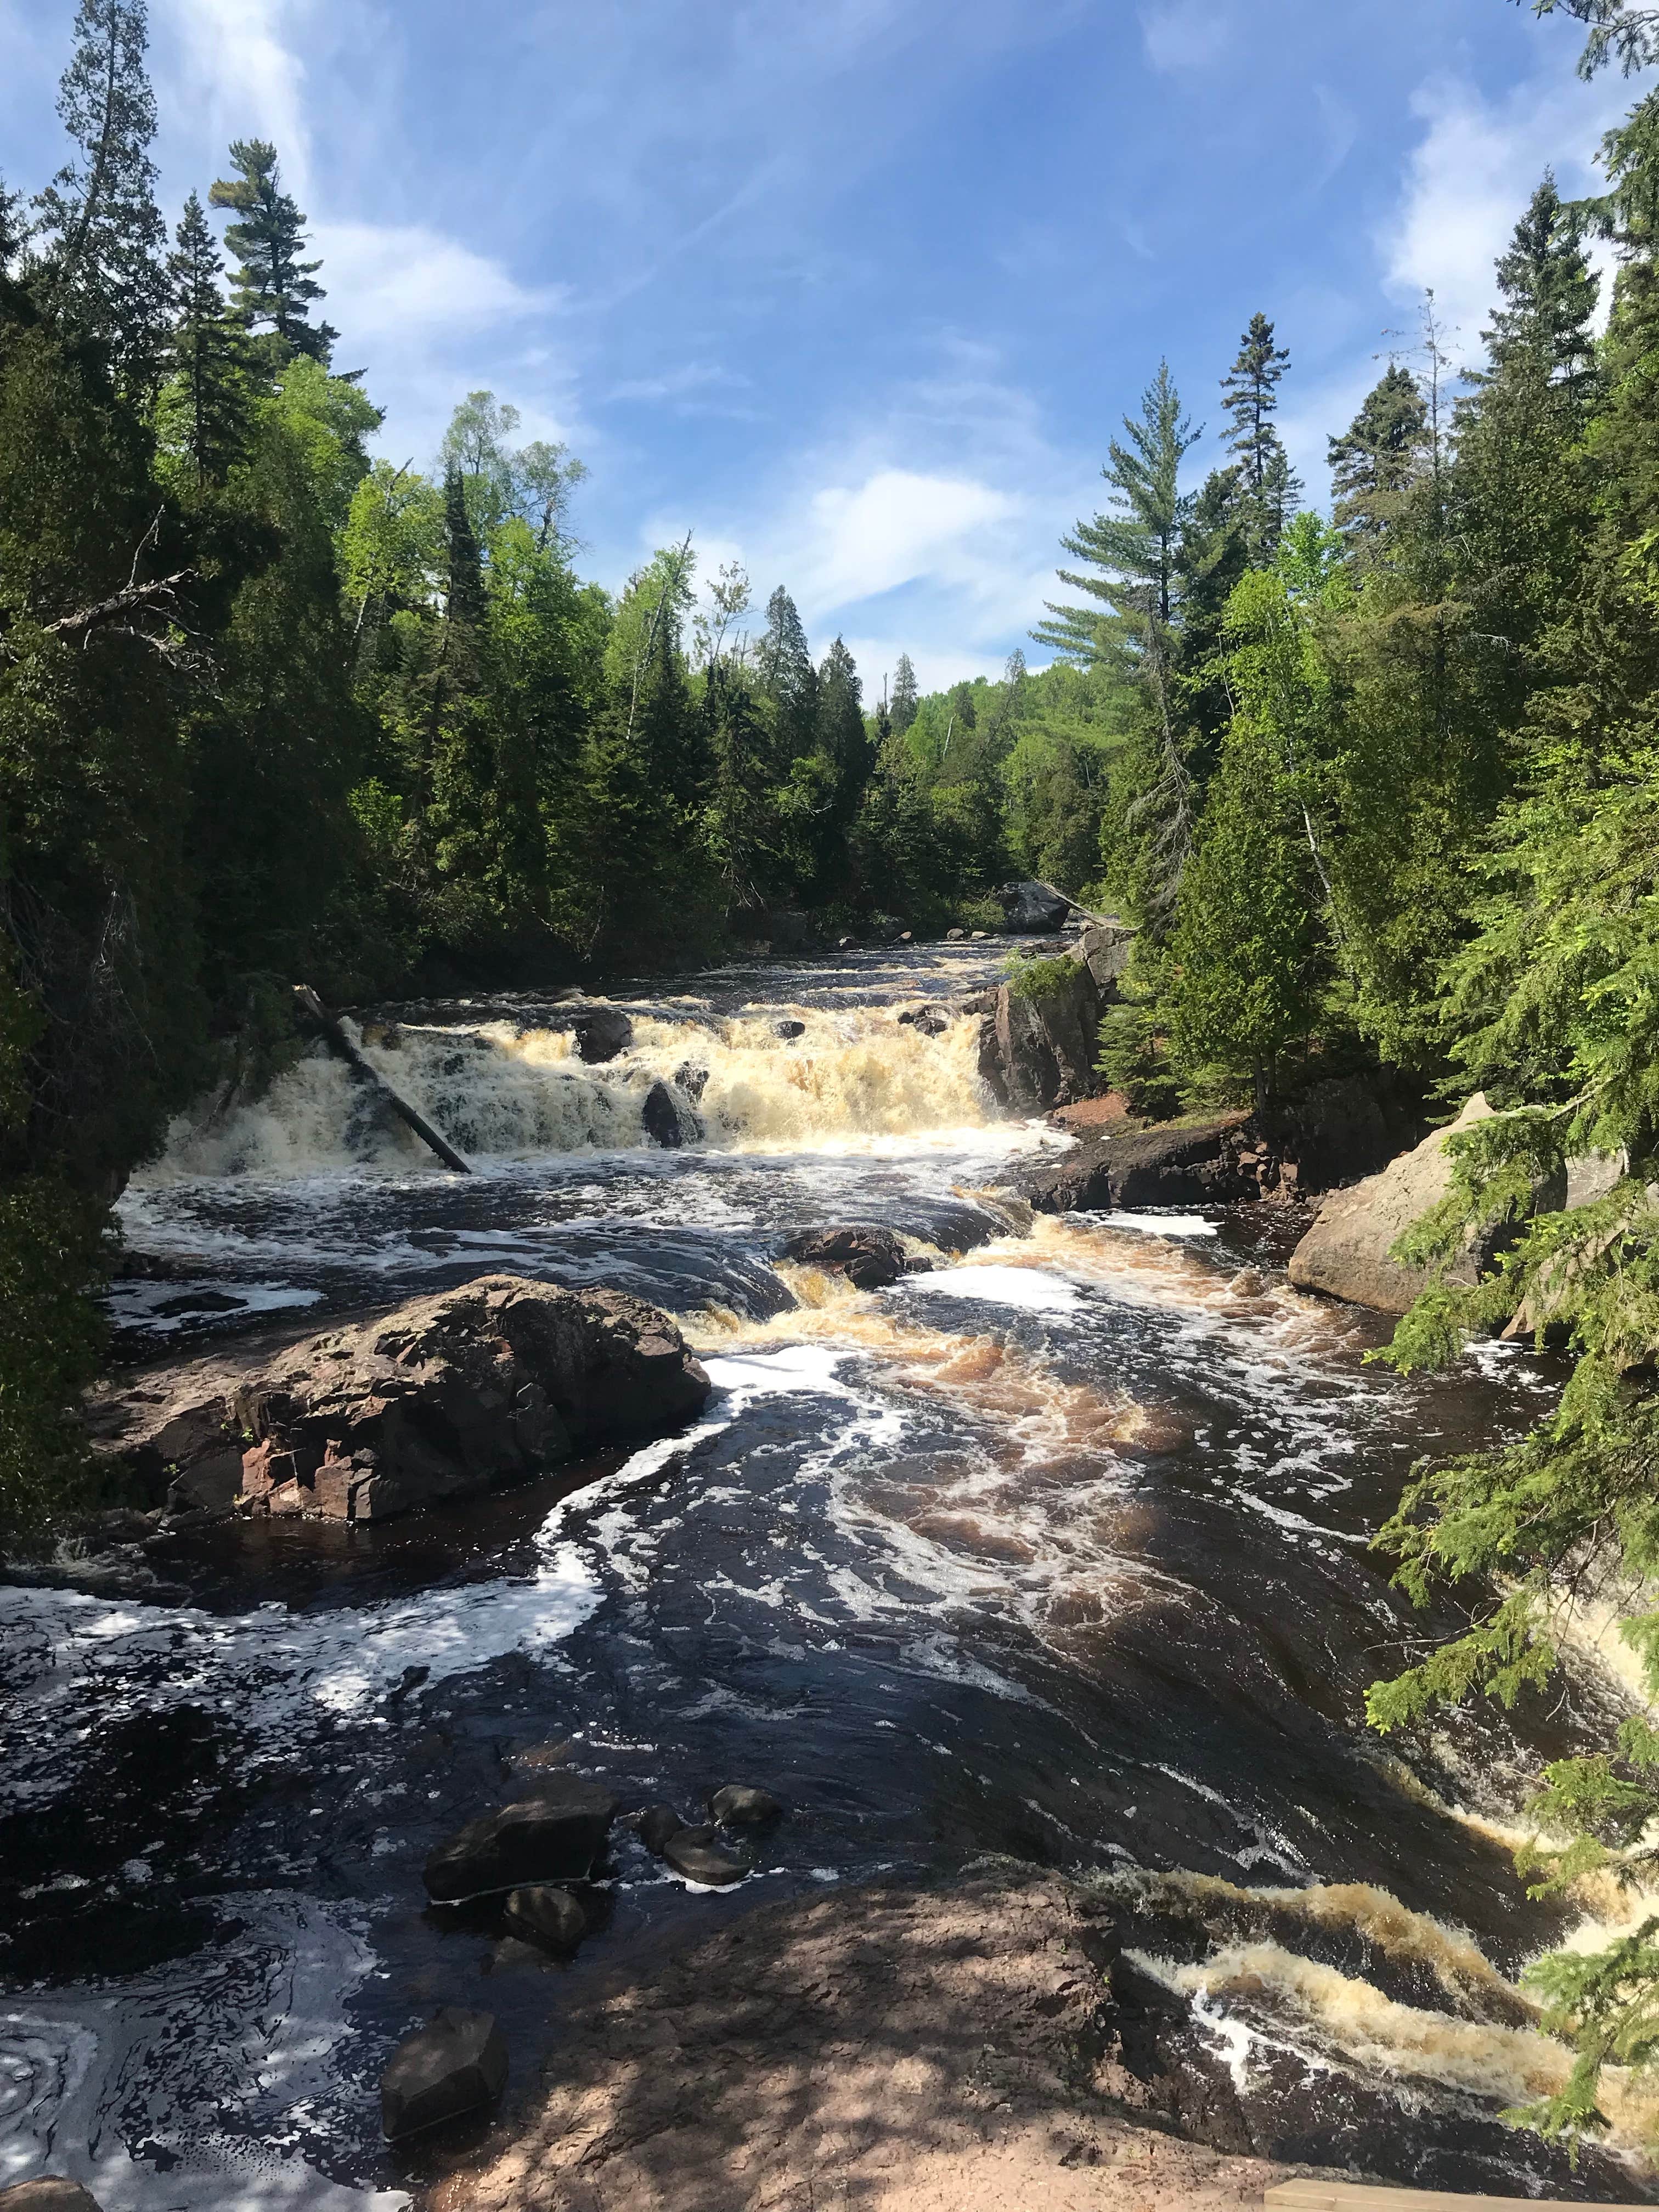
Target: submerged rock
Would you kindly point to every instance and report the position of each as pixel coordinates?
(448, 1395)
(555, 1835)
(696, 1854)
(691, 1079)
(549, 1917)
(788, 1030)
(454, 2066)
(869, 1258)
(739, 1805)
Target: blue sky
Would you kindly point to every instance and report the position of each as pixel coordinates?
(857, 290)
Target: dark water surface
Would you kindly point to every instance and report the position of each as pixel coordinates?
(1059, 1552)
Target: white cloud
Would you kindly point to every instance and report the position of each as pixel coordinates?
(1184, 34)
(242, 76)
(896, 527)
(1467, 183)
(403, 282)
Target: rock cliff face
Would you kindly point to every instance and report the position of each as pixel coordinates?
(1038, 1052)
(476, 1388)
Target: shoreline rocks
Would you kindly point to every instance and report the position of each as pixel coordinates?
(476, 1388)
(554, 1836)
(455, 2066)
(1346, 1254)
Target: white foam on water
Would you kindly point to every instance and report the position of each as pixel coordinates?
(239, 2051)
(1031, 1288)
(1157, 1224)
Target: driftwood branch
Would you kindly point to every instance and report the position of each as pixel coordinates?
(131, 599)
(400, 1106)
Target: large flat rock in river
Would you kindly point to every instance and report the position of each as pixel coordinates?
(1193, 1162)
(445, 1396)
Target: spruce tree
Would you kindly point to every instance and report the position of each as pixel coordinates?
(205, 407)
(1378, 457)
(787, 680)
(1547, 293)
(1249, 393)
(100, 259)
(272, 285)
(906, 694)
(464, 599)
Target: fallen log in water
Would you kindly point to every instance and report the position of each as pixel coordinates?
(335, 1032)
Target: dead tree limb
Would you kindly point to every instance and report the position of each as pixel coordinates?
(335, 1032)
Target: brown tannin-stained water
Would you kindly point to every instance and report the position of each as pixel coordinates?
(1058, 1552)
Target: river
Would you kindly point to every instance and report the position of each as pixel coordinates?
(1058, 1550)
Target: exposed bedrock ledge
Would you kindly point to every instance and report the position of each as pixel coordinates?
(1333, 1132)
(466, 1391)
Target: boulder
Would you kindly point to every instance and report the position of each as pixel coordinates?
(659, 1826)
(447, 1395)
(931, 1021)
(556, 1836)
(601, 1033)
(668, 1116)
(869, 1258)
(1032, 909)
(845, 943)
(739, 1805)
(1346, 1252)
(691, 1079)
(50, 2193)
(1038, 1050)
(980, 937)
(1197, 1162)
(787, 1030)
(696, 1854)
(550, 1918)
(1104, 949)
(956, 937)
(454, 2066)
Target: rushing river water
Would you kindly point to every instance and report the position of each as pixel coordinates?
(1057, 1552)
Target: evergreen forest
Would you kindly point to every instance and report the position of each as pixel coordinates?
(1377, 786)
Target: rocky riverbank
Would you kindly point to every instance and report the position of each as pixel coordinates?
(958, 2050)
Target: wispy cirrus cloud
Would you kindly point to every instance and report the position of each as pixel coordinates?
(1468, 179)
(1185, 35)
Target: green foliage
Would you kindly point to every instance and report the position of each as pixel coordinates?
(1027, 977)
(1135, 1058)
(273, 286)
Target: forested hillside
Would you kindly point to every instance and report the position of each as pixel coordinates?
(1376, 781)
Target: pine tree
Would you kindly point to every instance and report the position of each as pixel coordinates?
(99, 266)
(1135, 551)
(1378, 457)
(272, 285)
(1249, 393)
(906, 694)
(205, 408)
(1133, 547)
